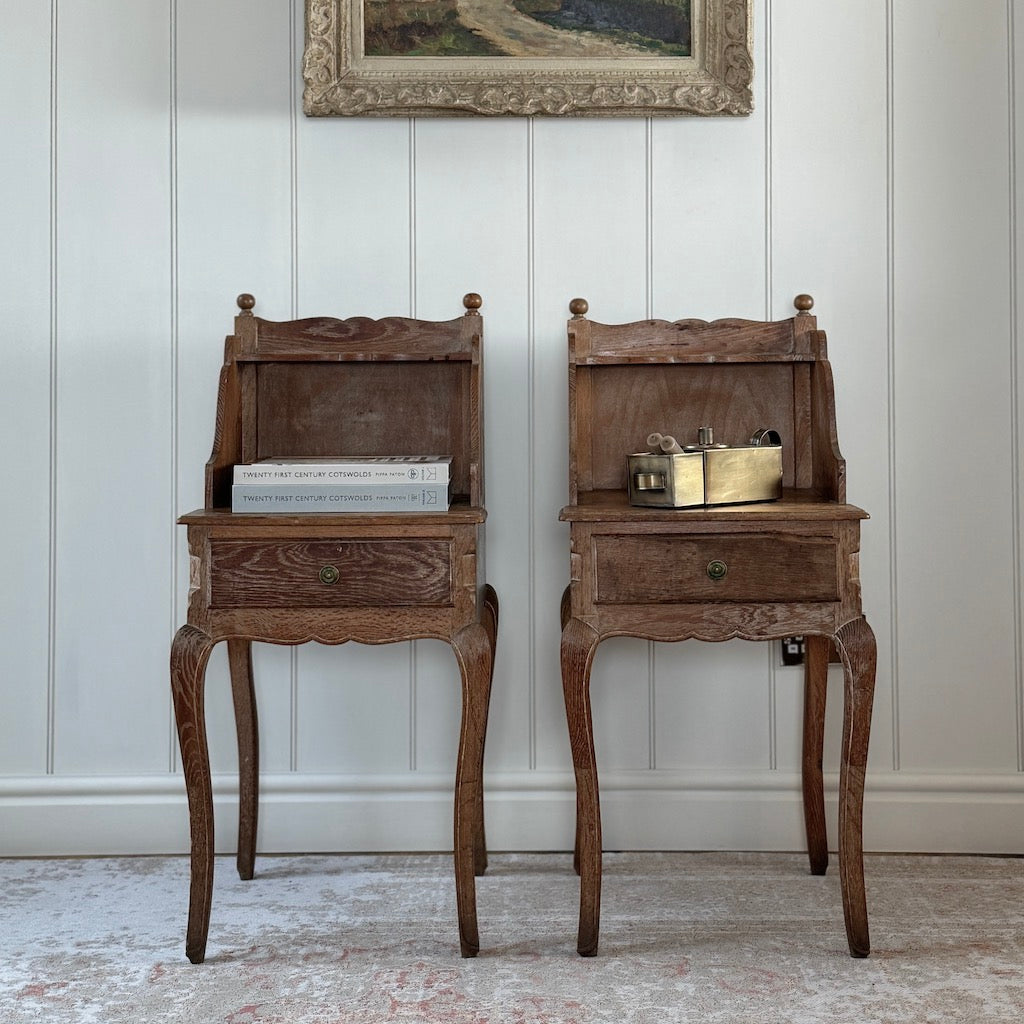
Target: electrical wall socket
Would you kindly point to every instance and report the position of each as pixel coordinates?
(793, 650)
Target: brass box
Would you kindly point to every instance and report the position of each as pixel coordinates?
(706, 476)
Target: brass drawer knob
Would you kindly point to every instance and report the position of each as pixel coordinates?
(717, 569)
(329, 574)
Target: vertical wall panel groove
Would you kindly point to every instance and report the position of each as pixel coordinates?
(890, 328)
(769, 56)
(51, 602)
(412, 218)
(772, 697)
(531, 419)
(413, 759)
(294, 99)
(172, 512)
(113, 387)
(649, 216)
(652, 702)
(295, 42)
(413, 305)
(1015, 370)
(649, 312)
(952, 303)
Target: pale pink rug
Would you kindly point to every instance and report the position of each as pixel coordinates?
(708, 937)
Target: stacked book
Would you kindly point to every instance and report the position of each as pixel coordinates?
(385, 483)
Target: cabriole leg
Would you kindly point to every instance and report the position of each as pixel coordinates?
(190, 653)
(489, 618)
(856, 645)
(579, 641)
(247, 727)
(815, 688)
(473, 650)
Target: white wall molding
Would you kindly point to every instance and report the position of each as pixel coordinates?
(97, 815)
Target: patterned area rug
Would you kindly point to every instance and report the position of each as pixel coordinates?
(709, 937)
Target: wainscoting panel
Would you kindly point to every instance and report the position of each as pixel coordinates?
(113, 381)
(157, 163)
(233, 233)
(954, 553)
(26, 222)
(709, 253)
(472, 186)
(839, 252)
(589, 216)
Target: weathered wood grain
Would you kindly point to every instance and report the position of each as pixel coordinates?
(373, 573)
(243, 695)
(816, 658)
(790, 567)
(656, 569)
(325, 386)
(579, 643)
(190, 651)
(855, 643)
(475, 654)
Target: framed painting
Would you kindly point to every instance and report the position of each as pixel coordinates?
(405, 58)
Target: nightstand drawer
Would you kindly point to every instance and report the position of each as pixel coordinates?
(658, 569)
(330, 574)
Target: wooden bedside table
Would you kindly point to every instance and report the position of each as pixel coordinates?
(758, 571)
(327, 387)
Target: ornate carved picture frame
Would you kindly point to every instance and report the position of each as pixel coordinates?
(572, 64)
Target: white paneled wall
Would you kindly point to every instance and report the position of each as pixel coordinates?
(155, 163)
(954, 331)
(26, 299)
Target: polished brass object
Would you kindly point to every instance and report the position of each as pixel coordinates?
(717, 569)
(734, 475)
(705, 439)
(650, 481)
(708, 473)
(329, 574)
(666, 481)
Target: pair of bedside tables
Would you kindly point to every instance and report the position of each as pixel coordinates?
(324, 386)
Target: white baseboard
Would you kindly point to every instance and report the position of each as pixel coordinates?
(661, 810)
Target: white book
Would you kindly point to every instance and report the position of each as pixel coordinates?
(304, 499)
(354, 470)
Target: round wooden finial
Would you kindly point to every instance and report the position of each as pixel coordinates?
(804, 303)
(472, 302)
(579, 307)
(246, 302)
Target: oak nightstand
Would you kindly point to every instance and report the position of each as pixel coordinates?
(758, 571)
(329, 387)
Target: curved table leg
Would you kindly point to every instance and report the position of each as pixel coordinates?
(579, 642)
(855, 643)
(190, 652)
(473, 650)
(247, 727)
(489, 618)
(565, 610)
(815, 688)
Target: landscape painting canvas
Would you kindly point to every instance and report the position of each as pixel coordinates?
(375, 58)
(578, 29)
